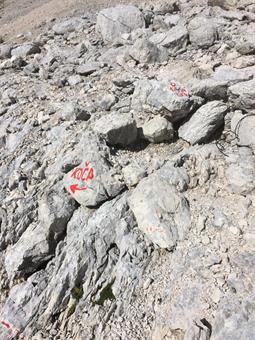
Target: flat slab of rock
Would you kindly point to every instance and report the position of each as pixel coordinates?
(205, 121)
(68, 26)
(158, 130)
(117, 129)
(25, 50)
(155, 96)
(88, 68)
(161, 212)
(113, 22)
(175, 40)
(242, 95)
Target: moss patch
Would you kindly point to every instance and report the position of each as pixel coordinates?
(77, 293)
(106, 294)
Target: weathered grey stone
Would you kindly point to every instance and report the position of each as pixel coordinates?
(38, 243)
(145, 52)
(158, 130)
(111, 246)
(73, 111)
(118, 129)
(88, 68)
(93, 181)
(25, 50)
(205, 121)
(164, 218)
(68, 26)
(133, 174)
(226, 4)
(155, 96)
(5, 51)
(244, 127)
(175, 40)
(74, 80)
(242, 95)
(245, 44)
(113, 22)
(107, 101)
(241, 171)
(202, 32)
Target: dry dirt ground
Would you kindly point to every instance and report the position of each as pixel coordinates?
(20, 16)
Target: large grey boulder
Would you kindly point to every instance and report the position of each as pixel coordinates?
(175, 40)
(117, 129)
(202, 32)
(68, 26)
(242, 95)
(161, 212)
(205, 121)
(244, 127)
(156, 97)
(25, 50)
(158, 130)
(113, 22)
(37, 244)
(145, 51)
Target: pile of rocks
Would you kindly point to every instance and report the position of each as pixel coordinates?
(128, 175)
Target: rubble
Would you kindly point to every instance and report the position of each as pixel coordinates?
(127, 175)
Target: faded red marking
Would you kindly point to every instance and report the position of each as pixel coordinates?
(6, 324)
(154, 229)
(79, 174)
(74, 187)
(179, 91)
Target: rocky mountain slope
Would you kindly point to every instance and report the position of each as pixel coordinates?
(128, 175)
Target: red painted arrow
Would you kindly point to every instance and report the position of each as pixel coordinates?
(74, 187)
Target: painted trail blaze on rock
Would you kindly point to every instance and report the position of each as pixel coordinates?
(81, 174)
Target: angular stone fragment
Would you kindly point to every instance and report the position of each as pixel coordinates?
(113, 22)
(68, 26)
(158, 130)
(155, 96)
(38, 243)
(72, 111)
(88, 68)
(117, 129)
(175, 40)
(205, 121)
(133, 174)
(25, 50)
(145, 51)
(161, 212)
(202, 32)
(242, 95)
